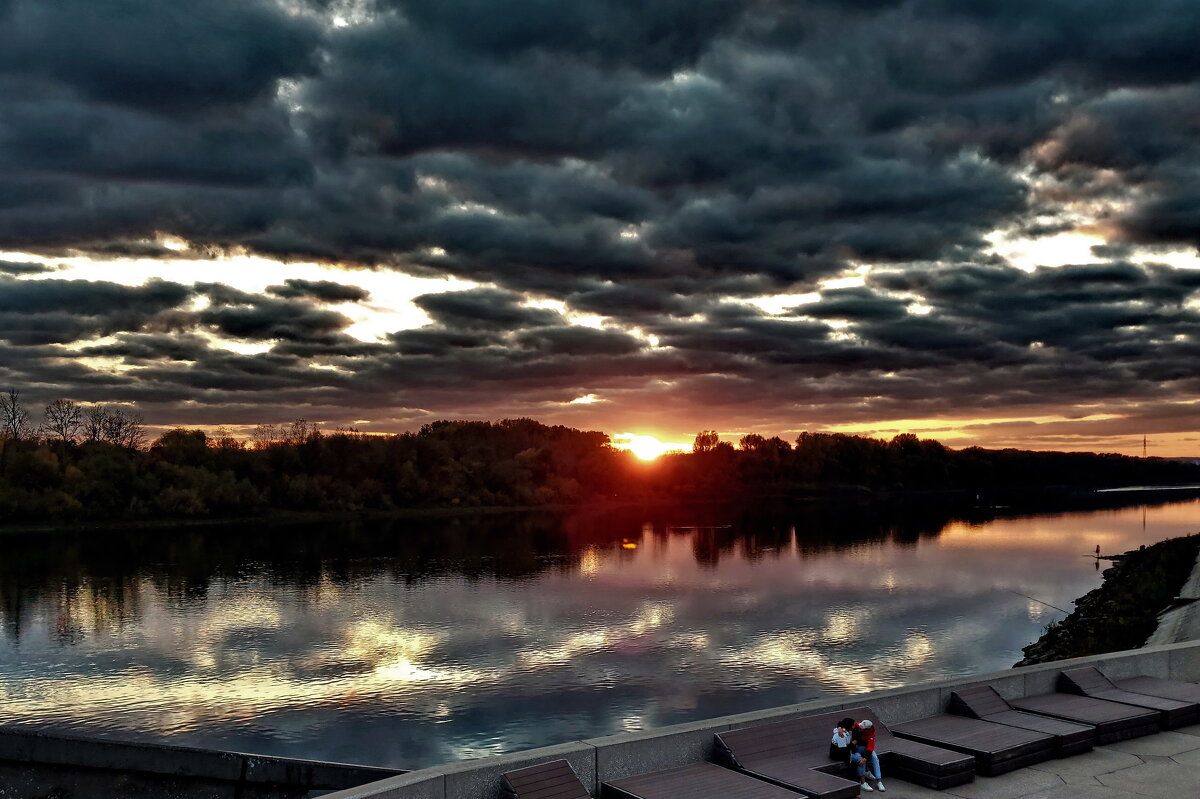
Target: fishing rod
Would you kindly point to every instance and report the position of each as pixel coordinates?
(1040, 602)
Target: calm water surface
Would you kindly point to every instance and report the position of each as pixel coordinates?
(418, 642)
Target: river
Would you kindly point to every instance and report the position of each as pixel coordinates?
(409, 643)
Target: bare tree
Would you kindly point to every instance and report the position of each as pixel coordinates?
(223, 438)
(14, 417)
(300, 431)
(125, 429)
(93, 423)
(264, 435)
(63, 419)
(116, 426)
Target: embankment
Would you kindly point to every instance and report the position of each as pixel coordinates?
(1123, 612)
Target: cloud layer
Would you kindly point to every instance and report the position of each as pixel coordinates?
(764, 216)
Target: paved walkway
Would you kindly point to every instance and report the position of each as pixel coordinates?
(1166, 764)
(1181, 623)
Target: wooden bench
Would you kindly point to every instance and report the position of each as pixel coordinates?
(983, 702)
(997, 749)
(795, 754)
(694, 781)
(557, 780)
(1088, 681)
(553, 780)
(1167, 689)
(1113, 721)
(789, 753)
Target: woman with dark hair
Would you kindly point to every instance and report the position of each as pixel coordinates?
(839, 745)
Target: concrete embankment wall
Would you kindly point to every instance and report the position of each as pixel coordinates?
(598, 760)
(33, 747)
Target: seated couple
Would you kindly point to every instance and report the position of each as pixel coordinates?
(854, 743)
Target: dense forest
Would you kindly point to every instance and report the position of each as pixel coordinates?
(91, 463)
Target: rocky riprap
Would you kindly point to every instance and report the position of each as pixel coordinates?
(1123, 612)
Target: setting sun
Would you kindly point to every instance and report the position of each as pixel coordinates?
(646, 447)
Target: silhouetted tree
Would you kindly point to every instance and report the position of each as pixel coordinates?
(705, 441)
(62, 419)
(265, 435)
(14, 417)
(125, 428)
(513, 462)
(117, 426)
(182, 447)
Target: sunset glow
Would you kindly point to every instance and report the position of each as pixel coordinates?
(1001, 261)
(646, 447)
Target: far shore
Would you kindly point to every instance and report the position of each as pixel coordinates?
(1028, 499)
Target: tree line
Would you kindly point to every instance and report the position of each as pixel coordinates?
(69, 422)
(95, 463)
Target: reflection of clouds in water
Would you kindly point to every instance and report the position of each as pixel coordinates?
(918, 651)
(842, 627)
(437, 655)
(373, 641)
(226, 663)
(416, 671)
(370, 661)
(650, 617)
(804, 655)
(689, 640)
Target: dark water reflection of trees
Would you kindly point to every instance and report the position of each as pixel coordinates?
(106, 567)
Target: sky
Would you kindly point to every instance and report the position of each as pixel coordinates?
(973, 221)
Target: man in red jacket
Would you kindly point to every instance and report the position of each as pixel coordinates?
(862, 737)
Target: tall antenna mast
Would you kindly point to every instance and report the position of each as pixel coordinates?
(1143, 445)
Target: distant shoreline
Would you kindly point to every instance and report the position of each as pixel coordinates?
(1030, 499)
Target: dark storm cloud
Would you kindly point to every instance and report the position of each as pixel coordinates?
(484, 309)
(488, 245)
(55, 133)
(580, 341)
(854, 304)
(1053, 336)
(1173, 217)
(439, 342)
(275, 320)
(24, 268)
(659, 38)
(878, 208)
(320, 290)
(559, 191)
(255, 317)
(746, 335)
(87, 297)
(140, 249)
(969, 45)
(61, 311)
(154, 55)
(626, 301)
(649, 163)
(133, 348)
(386, 86)
(738, 133)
